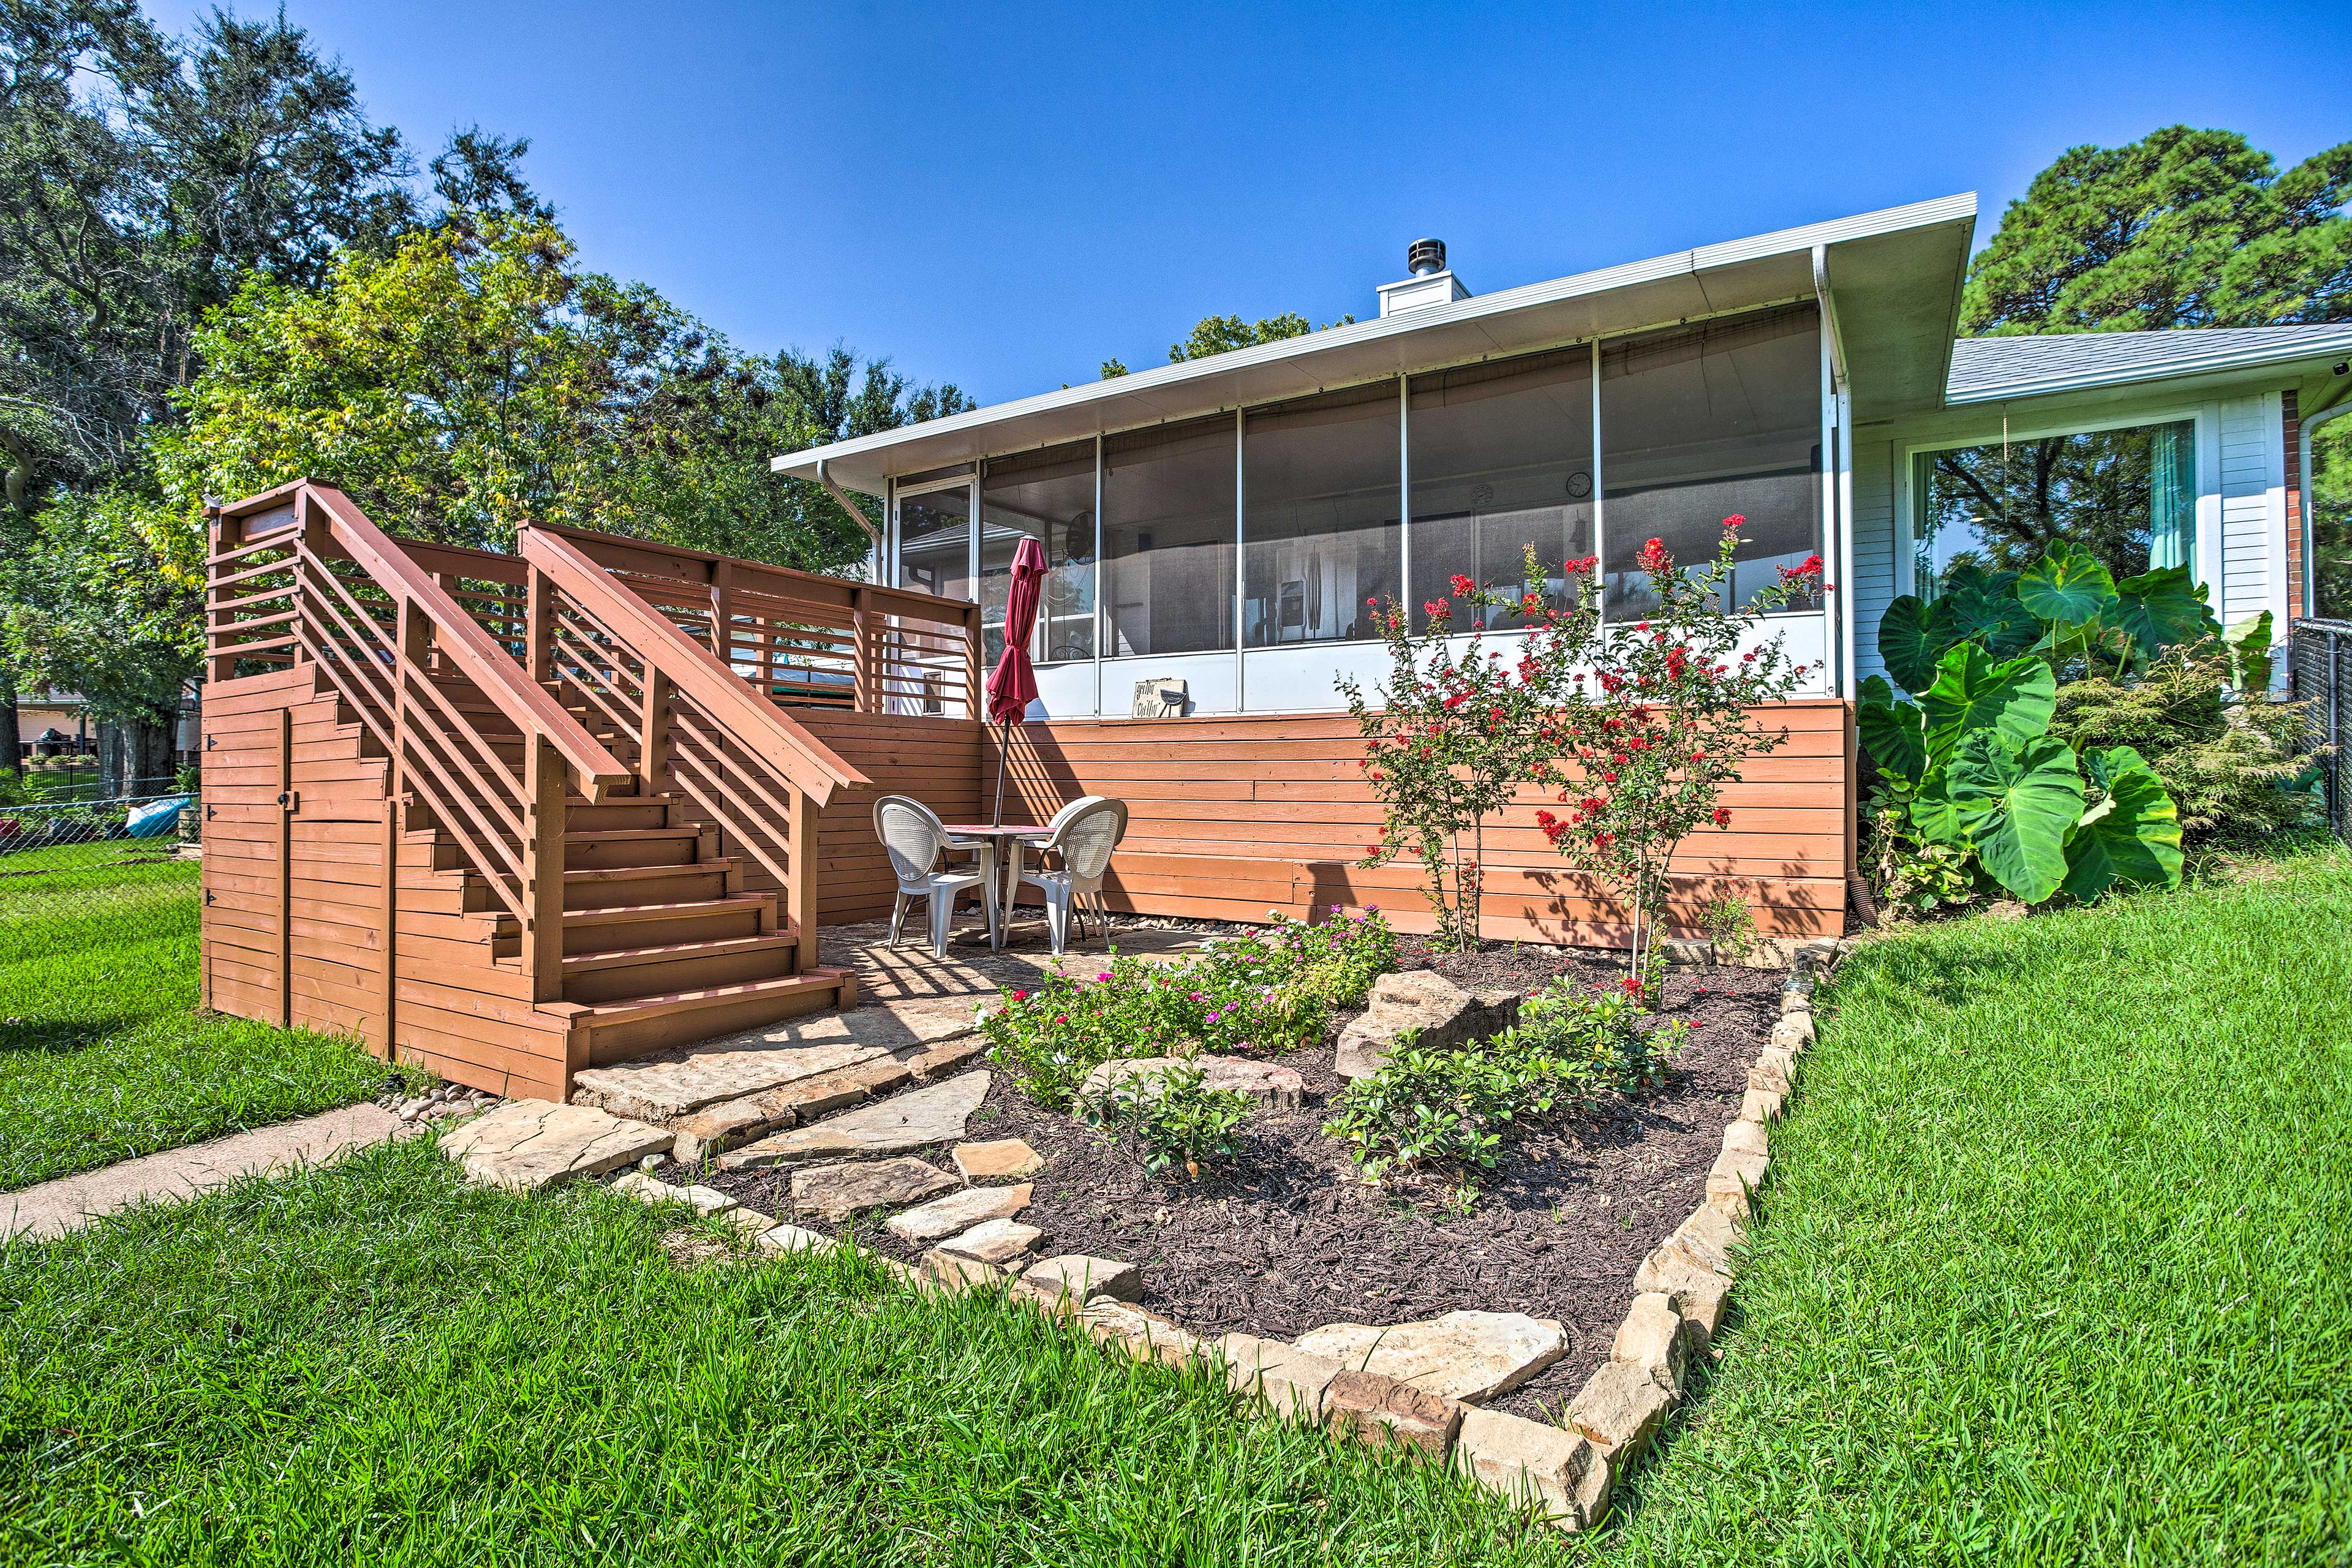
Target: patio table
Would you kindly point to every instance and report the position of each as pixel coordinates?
(1008, 839)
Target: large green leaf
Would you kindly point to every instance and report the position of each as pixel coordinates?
(2014, 698)
(2162, 609)
(2015, 805)
(2248, 643)
(2132, 835)
(2067, 587)
(1911, 635)
(1893, 730)
(1985, 609)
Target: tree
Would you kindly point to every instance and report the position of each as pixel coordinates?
(2181, 228)
(1221, 334)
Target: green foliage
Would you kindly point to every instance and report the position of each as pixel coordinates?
(2228, 764)
(1730, 927)
(1181, 1123)
(1265, 991)
(1223, 334)
(2014, 698)
(2132, 835)
(2014, 802)
(2182, 229)
(1452, 1108)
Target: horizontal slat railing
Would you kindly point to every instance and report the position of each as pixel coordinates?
(800, 639)
(432, 677)
(699, 729)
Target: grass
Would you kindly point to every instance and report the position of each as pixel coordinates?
(2052, 1271)
(2056, 1263)
(374, 1362)
(102, 1055)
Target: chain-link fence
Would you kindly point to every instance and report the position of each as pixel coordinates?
(2321, 659)
(114, 869)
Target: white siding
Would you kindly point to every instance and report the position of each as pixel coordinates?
(1874, 549)
(2252, 482)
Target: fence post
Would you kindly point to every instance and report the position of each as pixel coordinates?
(543, 936)
(861, 645)
(972, 671)
(653, 731)
(722, 611)
(227, 533)
(539, 628)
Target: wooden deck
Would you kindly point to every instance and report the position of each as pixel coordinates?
(511, 816)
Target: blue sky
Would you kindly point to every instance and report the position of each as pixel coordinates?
(1002, 197)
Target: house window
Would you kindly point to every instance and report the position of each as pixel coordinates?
(1320, 515)
(935, 540)
(1167, 539)
(1701, 423)
(1048, 496)
(1501, 460)
(2128, 497)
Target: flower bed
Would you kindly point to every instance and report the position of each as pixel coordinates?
(1285, 1235)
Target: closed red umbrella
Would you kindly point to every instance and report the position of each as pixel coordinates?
(1013, 685)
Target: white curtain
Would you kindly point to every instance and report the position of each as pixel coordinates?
(2172, 495)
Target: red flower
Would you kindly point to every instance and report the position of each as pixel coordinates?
(1654, 557)
(1733, 521)
(1464, 586)
(1722, 817)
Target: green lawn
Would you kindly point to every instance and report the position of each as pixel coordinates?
(101, 1053)
(2053, 1272)
(2056, 1263)
(375, 1363)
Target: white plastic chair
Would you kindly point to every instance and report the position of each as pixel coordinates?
(1084, 834)
(918, 843)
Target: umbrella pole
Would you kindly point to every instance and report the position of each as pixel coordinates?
(1003, 745)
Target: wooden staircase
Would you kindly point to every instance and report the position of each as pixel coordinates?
(673, 900)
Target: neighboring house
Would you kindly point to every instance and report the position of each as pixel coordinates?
(52, 723)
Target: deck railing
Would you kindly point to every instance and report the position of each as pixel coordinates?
(802, 638)
(299, 575)
(695, 725)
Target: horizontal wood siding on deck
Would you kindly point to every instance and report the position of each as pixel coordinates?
(1231, 817)
(940, 762)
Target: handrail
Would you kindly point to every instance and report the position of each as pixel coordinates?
(470, 648)
(807, 763)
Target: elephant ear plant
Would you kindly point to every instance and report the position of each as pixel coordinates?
(1971, 768)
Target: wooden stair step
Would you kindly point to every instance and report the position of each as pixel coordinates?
(631, 1026)
(668, 953)
(718, 866)
(626, 915)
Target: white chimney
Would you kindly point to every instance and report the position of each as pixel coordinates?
(1431, 283)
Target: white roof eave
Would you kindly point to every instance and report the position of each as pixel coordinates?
(1683, 284)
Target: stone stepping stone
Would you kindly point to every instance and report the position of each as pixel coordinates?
(527, 1144)
(793, 1239)
(997, 1242)
(706, 1199)
(915, 1119)
(1446, 1015)
(1003, 1160)
(731, 1123)
(834, 1193)
(663, 1091)
(1468, 1356)
(959, 1210)
(1278, 1087)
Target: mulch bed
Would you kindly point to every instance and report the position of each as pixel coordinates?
(1287, 1237)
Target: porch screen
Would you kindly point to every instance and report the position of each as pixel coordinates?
(1049, 496)
(1169, 514)
(935, 542)
(1700, 423)
(1320, 515)
(1501, 458)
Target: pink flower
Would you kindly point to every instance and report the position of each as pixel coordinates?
(1021, 995)
(1103, 976)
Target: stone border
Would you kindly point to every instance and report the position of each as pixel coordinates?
(1562, 1474)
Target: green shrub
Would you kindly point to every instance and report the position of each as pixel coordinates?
(1573, 1045)
(1179, 1121)
(2227, 762)
(1263, 991)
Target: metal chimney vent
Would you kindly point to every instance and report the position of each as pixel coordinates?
(1426, 257)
